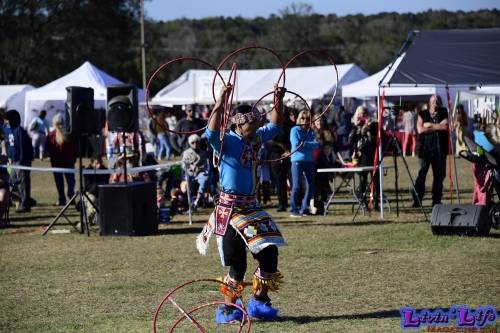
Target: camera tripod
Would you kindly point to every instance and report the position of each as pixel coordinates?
(80, 194)
(397, 152)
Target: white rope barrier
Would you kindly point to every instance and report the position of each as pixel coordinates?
(156, 167)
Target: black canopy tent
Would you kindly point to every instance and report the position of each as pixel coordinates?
(464, 59)
(449, 57)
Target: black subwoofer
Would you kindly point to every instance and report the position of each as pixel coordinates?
(471, 220)
(128, 209)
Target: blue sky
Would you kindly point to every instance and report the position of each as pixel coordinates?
(173, 9)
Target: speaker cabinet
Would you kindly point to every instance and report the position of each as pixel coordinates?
(122, 108)
(128, 209)
(471, 220)
(80, 118)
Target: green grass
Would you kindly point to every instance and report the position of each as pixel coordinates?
(341, 276)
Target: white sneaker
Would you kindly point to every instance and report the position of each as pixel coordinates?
(295, 215)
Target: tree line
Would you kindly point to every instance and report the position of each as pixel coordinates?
(41, 40)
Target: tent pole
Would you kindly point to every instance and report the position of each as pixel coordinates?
(380, 158)
(457, 189)
(194, 88)
(143, 47)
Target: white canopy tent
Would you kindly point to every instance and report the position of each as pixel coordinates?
(52, 96)
(12, 96)
(317, 82)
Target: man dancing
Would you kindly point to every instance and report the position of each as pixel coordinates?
(238, 221)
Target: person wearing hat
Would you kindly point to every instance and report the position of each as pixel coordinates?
(195, 164)
(132, 160)
(20, 152)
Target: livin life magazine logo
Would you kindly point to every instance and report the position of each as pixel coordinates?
(458, 318)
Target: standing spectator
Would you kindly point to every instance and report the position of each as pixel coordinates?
(326, 159)
(363, 140)
(20, 152)
(432, 149)
(279, 147)
(461, 129)
(188, 124)
(4, 179)
(344, 125)
(323, 134)
(39, 128)
(163, 144)
(409, 131)
(63, 154)
(302, 163)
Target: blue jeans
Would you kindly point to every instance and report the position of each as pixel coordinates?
(299, 170)
(70, 181)
(202, 180)
(163, 146)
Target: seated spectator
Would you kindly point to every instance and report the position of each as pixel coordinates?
(91, 186)
(195, 164)
(63, 154)
(132, 162)
(179, 202)
(160, 198)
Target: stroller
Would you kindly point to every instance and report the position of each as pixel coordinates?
(478, 155)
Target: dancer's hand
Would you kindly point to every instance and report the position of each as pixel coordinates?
(279, 92)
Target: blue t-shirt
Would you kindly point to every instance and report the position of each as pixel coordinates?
(305, 153)
(238, 156)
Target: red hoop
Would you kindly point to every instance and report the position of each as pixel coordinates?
(155, 74)
(246, 48)
(246, 317)
(322, 51)
(303, 141)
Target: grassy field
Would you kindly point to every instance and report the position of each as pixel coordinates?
(341, 276)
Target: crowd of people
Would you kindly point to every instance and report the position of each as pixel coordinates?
(308, 140)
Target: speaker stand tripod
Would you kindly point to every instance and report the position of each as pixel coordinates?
(397, 152)
(80, 194)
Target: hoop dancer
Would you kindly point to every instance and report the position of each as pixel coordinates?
(238, 221)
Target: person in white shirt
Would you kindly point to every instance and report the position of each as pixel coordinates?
(39, 128)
